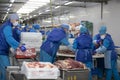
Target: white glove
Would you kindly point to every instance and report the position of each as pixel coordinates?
(101, 49)
(12, 51)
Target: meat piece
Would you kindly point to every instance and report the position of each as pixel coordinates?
(66, 52)
(39, 65)
(69, 64)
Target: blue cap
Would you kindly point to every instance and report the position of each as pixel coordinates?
(102, 30)
(36, 26)
(14, 17)
(66, 26)
(83, 29)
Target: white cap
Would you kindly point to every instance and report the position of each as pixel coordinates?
(14, 16)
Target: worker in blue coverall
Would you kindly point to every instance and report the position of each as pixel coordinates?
(32, 29)
(83, 46)
(16, 32)
(54, 39)
(110, 56)
(25, 29)
(38, 29)
(7, 41)
(97, 41)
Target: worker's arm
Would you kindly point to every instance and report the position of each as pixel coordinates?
(75, 44)
(65, 41)
(9, 38)
(104, 47)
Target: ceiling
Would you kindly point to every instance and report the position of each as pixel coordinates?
(58, 7)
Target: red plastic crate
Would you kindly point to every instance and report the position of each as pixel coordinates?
(29, 53)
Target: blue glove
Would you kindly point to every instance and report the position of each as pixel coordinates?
(23, 48)
(99, 41)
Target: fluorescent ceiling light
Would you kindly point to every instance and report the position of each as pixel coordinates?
(47, 21)
(47, 10)
(68, 3)
(40, 13)
(8, 9)
(10, 5)
(12, 1)
(34, 15)
(30, 16)
(32, 5)
(57, 7)
(62, 18)
(5, 16)
(71, 16)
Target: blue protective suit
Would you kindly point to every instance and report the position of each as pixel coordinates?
(110, 57)
(16, 34)
(50, 47)
(100, 61)
(83, 44)
(32, 30)
(6, 40)
(42, 32)
(25, 29)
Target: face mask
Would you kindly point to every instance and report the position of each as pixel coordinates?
(15, 23)
(102, 36)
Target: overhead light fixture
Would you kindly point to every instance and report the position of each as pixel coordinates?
(12, 1)
(68, 3)
(32, 5)
(57, 7)
(47, 21)
(7, 12)
(47, 10)
(8, 9)
(10, 5)
(34, 15)
(71, 16)
(30, 16)
(40, 13)
(5, 17)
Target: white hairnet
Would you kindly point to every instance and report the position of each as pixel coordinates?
(14, 16)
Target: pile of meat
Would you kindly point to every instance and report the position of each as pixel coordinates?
(66, 52)
(39, 65)
(69, 64)
(29, 53)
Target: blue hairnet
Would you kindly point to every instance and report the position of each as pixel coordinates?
(14, 17)
(36, 26)
(83, 29)
(102, 30)
(66, 26)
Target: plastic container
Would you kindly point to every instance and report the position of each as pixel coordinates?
(40, 73)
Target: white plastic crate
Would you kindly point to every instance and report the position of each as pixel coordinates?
(32, 39)
(40, 73)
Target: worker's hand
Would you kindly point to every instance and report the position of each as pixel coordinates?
(70, 47)
(12, 50)
(99, 41)
(101, 49)
(22, 48)
(98, 50)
